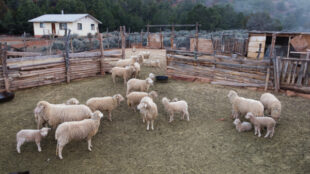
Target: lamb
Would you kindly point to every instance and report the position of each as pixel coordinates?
(152, 63)
(242, 127)
(105, 103)
(134, 98)
(137, 69)
(148, 110)
(77, 130)
(72, 101)
(140, 58)
(126, 62)
(242, 105)
(31, 135)
(177, 106)
(139, 85)
(126, 73)
(146, 54)
(272, 105)
(152, 76)
(260, 122)
(54, 114)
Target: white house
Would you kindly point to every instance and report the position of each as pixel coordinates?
(79, 24)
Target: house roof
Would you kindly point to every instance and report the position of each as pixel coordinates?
(61, 18)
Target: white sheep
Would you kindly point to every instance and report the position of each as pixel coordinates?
(152, 76)
(126, 62)
(54, 114)
(272, 105)
(31, 135)
(241, 105)
(126, 73)
(137, 69)
(261, 122)
(152, 63)
(72, 101)
(146, 54)
(175, 107)
(242, 127)
(140, 59)
(105, 103)
(134, 98)
(139, 85)
(148, 110)
(77, 130)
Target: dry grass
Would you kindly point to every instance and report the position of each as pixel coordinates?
(203, 145)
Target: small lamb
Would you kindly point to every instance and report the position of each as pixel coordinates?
(242, 127)
(260, 122)
(31, 135)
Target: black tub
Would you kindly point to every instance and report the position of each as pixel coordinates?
(162, 79)
(6, 96)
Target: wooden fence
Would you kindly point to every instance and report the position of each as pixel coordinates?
(218, 69)
(26, 72)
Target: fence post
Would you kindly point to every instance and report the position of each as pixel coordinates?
(101, 53)
(4, 66)
(196, 36)
(161, 39)
(172, 37)
(123, 41)
(67, 60)
(148, 35)
(142, 38)
(276, 74)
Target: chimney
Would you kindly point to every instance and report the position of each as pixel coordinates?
(62, 12)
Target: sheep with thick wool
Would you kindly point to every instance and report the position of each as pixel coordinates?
(108, 103)
(152, 63)
(31, 135)
(124, 72)
(148, 110)
(54, 114)
(175, 107)
(241, 105)
(242, 127)
(134, 98)
(126, 62)
(139, 85)
(77, 130)
(272, 105)
(261, 122)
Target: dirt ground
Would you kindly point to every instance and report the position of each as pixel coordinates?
(208, 143)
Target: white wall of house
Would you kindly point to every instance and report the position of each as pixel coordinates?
(73, 26)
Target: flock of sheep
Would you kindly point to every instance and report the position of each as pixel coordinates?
(254, 111)
(74, 121)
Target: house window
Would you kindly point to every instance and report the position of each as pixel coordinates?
(79, 26)
(92, 26)
(41, 25)
(62, 26)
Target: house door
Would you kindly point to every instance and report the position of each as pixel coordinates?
(53, 29)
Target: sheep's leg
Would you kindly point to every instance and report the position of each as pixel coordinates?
(19, 144)
(268, 133)
(110, 115)
(143, 118)
(171, 117)
(113, 78)
(255, 132)
(89, 144)
(259, 133)
(60, 147)
(57, 148)
(148, 125)
(125, 81)
(183, 115)
(272, 132)
(39, 146)
(152, 124)
(187, 115)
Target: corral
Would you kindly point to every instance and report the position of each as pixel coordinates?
(208, 143)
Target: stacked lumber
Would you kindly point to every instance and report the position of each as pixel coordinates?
(109, 63)
(221, 70)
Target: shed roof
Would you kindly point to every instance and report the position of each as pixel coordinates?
(279, 32)
(61, 18)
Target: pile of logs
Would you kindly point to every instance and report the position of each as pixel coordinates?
(218, 69)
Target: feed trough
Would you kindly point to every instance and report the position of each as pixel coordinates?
(162, 79)
(6, 96)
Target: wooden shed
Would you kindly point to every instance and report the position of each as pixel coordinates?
(285, 44)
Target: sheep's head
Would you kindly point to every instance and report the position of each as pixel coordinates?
(143, 105)
(44, 131)
(232, 94)
(41, 106)
(149, 81)
(276, 111)
(119, 98)
(153, 94)
(72, 101)
(249, 115)
(175, 99)
(165, 100)
(152, 76)
(237, 121)
(97, 115)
